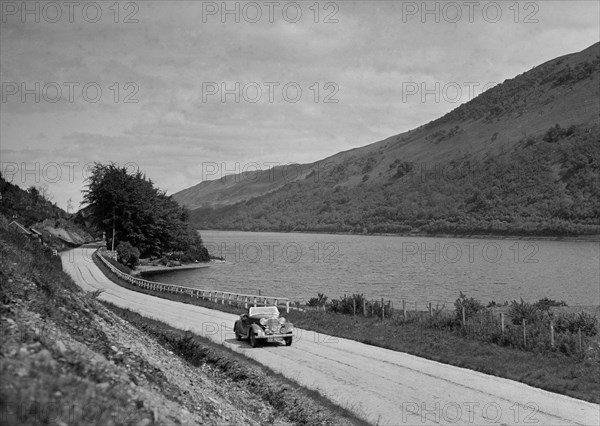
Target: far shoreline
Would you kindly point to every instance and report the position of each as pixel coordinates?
(566, 238)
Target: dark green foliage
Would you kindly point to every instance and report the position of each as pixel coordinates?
(27, 207)
(545, 304)
(120, 266)
(518, 312)
(318, 301)
(128, 254)
(146, 217)
(356, 304)
(542, 188)
(572, 323)
(347, 304)
(470, 305)
(556, 133)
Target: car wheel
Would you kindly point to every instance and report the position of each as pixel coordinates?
(238, 336)
(288, 341)
(253, 341)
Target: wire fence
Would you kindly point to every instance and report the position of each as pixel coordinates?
(523, 325)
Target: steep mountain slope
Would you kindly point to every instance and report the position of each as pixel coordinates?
(497, 164)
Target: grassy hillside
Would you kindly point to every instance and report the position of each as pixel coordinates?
(522, 158)
(67, 359)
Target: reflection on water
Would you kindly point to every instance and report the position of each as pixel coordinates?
(419, 269)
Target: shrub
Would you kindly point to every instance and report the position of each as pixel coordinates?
(531, 313)
(128, 254)
(573, 322)
(347, 304)
(318, 301)
(471, 306)
(545, 304)
(554, 134)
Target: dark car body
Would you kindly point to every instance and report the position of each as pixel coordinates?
(263, 324)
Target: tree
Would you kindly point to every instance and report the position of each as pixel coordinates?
(141, 214)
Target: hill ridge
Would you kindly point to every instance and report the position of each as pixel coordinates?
(510, 125)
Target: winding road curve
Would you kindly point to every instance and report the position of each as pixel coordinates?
(382, 386)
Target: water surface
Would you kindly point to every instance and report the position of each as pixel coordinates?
(420, 269)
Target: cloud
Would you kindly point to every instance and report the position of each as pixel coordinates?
(170, 54)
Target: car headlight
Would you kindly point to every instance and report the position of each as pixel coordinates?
(263, 321)
(282, 320)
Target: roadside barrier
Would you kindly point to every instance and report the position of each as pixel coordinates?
(223, 297)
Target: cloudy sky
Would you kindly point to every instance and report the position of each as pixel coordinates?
(180, 89)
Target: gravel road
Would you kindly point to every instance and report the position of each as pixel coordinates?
(382, 386)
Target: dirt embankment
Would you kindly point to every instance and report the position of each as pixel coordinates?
(67, 359)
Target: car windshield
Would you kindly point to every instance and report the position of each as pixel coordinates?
(264, 312)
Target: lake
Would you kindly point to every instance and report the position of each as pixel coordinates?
(418, 269)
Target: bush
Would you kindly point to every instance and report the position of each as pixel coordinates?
(347, 304)
(545, 304)
(128, 254)
(471, 306)
(319, 301)
(531, 313)
(574, 322)
(554, 134)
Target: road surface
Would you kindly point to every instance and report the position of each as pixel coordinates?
(382, 386)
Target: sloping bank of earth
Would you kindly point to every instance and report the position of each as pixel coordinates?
(67, 359)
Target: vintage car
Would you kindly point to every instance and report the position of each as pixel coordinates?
(263, 324)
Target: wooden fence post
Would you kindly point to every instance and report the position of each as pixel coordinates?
(404, 309)
(552, 333)
(353, 306)
(364, 307)
(430, 311)
(524, 335)
(502, 322)
(463, 316)
(382, 310)
(580, 343)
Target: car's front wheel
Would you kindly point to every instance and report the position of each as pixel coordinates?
(253, 341)
(288, 341)
(238, 336)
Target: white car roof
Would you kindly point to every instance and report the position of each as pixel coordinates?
(264, 311)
